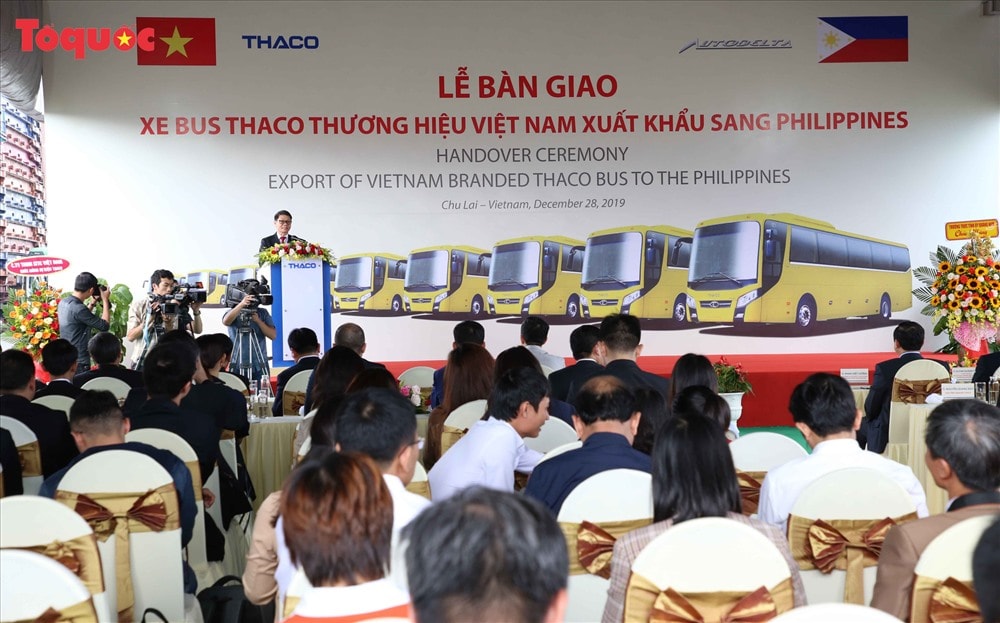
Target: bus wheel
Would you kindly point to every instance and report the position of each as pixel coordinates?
(680, 309)
(805, 312)
(477, 306)
(397, 304)
(885, 307)
(573, 307)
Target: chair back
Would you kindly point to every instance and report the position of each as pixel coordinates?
(856, 507)
(304, 450)
(946, 565)
(46, 527)
(554, 433)
(53, 401)
(294, 394)
(33, 584)
(834, 613)
(142, 541)
(197, 556)
(616, 501)
(117, 387)
(298, 587)
(417, 375)
(233, 381)
(699, 560)
(459, 421)
(911, 385)
(419, 484)
(566, 447)
(28, 451)
(546, 370)
(302, 430)
(756, 454)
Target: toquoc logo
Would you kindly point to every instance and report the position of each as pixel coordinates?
(302, 265)
(281, 42)
(79, 40)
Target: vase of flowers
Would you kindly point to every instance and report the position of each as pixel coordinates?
(298, 250)
(31, 319)
(733, 385)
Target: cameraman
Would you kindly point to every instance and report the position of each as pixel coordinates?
(77, 319)
(257, 321)
(148, 317)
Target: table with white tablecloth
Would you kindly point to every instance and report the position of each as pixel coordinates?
(268, 453)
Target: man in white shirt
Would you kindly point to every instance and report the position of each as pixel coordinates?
(824, 411)
(493, 449)
(534, 334)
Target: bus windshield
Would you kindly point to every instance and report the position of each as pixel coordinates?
(354, 274)
(238, 275)
(514, 266)
(724, 256)
(426, 271)
(612, 261)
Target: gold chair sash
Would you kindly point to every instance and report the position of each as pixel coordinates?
(227, 434)
(82, 612)
(914, 392)
(590, 544)
(291, 602)
(292, 401)
(750, 483)
(121, 514)
(947, 601)
(196, 482)
(420, 488)
(644, 601)
(79, 555)
(31, 459)
(450, 435)
(846, 544)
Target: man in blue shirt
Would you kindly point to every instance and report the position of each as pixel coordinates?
(77, 320)
(97, 424)
(606, 421)
(248, 326)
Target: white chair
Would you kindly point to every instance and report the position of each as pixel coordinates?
(31, 455)
(417, 375)
(302, 430)
(296, 384)
(921, 370)
(554, 433)
(834, 613)
(614, 495)
(33, 583)
(304, 450)
(117, 387)
(459, 421)
(566, 447)
(419, 484)
(30, 522)
(154, 558)
(546, 370)
(233, 381)
(227, 450)
(947, 557)
(763, 451)
(713, 555)
(846, 494)
(59, 403)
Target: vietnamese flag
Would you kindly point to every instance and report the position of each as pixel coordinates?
(178, 41)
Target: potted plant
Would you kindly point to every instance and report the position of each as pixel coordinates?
(733, 384)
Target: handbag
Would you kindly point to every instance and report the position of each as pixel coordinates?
(228, 604)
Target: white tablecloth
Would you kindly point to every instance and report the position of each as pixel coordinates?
(268, 453)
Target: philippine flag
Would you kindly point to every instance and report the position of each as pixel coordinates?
(863, 39)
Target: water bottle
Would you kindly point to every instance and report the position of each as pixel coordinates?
(262, 395)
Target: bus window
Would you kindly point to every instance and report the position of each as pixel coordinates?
(457, 268)
(572, 259)
(859, 253)
(900, 258)
(654, 257)
(398, 270)
(725, 256)
(774, 252)
(379, 273)
(612, 261)
(803, 246)
(550, 259)
(832, 249)
(680, 254)
(881, 256)
(481, 267)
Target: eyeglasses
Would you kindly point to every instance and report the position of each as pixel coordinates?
(418, 442)
(284, 222)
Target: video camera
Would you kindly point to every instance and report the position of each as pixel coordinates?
(248, 287)
(180, 297)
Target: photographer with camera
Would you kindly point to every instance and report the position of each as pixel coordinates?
(249, 324)
(166, 307)
(77, 319)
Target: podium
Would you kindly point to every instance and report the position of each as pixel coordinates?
(301, 290)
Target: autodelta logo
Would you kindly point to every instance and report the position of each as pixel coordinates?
(737, 44)
(80, 40)
(281, 42)
(300, 265)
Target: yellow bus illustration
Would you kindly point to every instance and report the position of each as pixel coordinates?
(370, 281)
(536, 275)
(213, 280)
(785, 268)
(639, 270)
(239, 273)
(446, 279)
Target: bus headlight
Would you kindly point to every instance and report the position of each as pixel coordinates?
(747, 298)
(489, 299)
(692, 304)
(365, 297)
(584, 300)
(630, 298)
(528, 299)
(440, 297)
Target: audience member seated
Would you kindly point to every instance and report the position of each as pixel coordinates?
(701, 399)
(486, 556)
(98, 425)
(907, 340)
(468, 376)
(304, 346)
(583, 344)
(59, 360)
(106, 350)
(342, 503)
(17, 390)
(209, 394)
(333, 374)
(374, 377)
(986, 367)
(653, 412)
(963, 457)
(350, 335)
(692, 369)
(534, 334)
(521, 357)
(606, 420)
(985, 571)
(824, 411)
(620, 347)
(10, 462)
(465, 332)
(693, 477)
(494, 448)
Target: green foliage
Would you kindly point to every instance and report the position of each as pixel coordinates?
(120, 299)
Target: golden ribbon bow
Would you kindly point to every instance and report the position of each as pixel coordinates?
(593, 548)
(673, 607)
(828, 547)
(750, 483)
(954, 601)
(30, 456)
(914, 392)
(450, 436)
(82, 612)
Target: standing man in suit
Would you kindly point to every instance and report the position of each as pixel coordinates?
(59, 360)
(619, 345)
(281, 235)
(986, 367)
(907, 339)
(305, 350)
(963, 457)
(583, 343)
(106, 351)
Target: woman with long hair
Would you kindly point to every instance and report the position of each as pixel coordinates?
(333, 375)
(468, 376)
(653, 411)
(691, 369)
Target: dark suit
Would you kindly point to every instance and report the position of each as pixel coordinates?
(273, 239)
(372, 365)
(574, 376)
(11, 462)
(633, 376)
(57, 387)
(437, 388)
(224, 404)
(50, 427)
(132, 377)
(875, 428)
(306, 362)
(198, 429)
(986, 367)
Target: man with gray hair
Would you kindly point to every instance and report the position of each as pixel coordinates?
(963, 456)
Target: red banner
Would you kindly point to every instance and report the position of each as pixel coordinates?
(178, 41)
(37, 265)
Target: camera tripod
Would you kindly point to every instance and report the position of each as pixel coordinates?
(257, 359)
(151, 336)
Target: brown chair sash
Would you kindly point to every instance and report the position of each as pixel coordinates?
(227, 434)
(79, 555)
(750, 483)
(644, 601)
(196, 482)
(914, 392)
(31, 459)
(944, 601)
(420, 488)
(590, 544)
(121, 514)
(292, 401)
(82, 612)
(849, 545)
(450, 435)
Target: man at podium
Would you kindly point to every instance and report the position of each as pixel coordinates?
(281, 235)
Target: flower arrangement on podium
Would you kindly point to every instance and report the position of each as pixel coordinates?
(297, 250)
(962, 294)
(31, 320)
